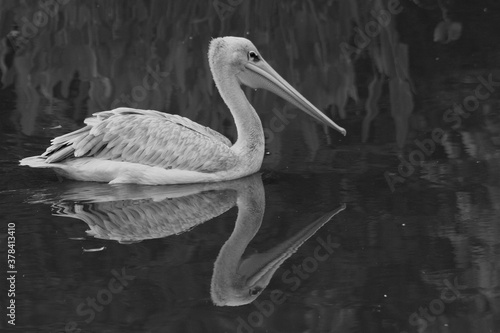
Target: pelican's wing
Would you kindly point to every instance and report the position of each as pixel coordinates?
(146, 137)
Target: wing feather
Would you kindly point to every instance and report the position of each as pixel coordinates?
(88, 144)
(146, 137)
(97, 147)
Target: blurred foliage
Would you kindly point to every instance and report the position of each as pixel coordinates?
(152, 55)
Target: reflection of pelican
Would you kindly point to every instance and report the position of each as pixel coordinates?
(149, 147)
(131, 213)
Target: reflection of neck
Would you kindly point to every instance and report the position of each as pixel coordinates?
(251, 204)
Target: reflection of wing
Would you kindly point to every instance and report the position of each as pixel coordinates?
(129, 213)
(136, 220)
(145, 137)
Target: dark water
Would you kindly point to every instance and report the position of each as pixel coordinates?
(360, 234)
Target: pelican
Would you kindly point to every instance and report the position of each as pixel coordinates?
(149, 147)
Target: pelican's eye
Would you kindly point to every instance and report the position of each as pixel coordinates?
(252, 55)
(255, 291)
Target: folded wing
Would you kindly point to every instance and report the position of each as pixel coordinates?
(146, 137)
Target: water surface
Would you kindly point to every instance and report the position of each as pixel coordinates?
(416, 248)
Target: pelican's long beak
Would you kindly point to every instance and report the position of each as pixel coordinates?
(261, 75)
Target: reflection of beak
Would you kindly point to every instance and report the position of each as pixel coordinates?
(259, 268)
(261, 75)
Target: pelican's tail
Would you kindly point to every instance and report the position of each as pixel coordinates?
(35, 162)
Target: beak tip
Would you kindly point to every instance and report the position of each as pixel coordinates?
(343, 131)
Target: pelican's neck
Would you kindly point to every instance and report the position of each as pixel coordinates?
(250, 142)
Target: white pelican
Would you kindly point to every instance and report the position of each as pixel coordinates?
(127, 145)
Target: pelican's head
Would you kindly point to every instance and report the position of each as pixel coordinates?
(239, 57)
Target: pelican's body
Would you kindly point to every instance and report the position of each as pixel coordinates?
(149, 147)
